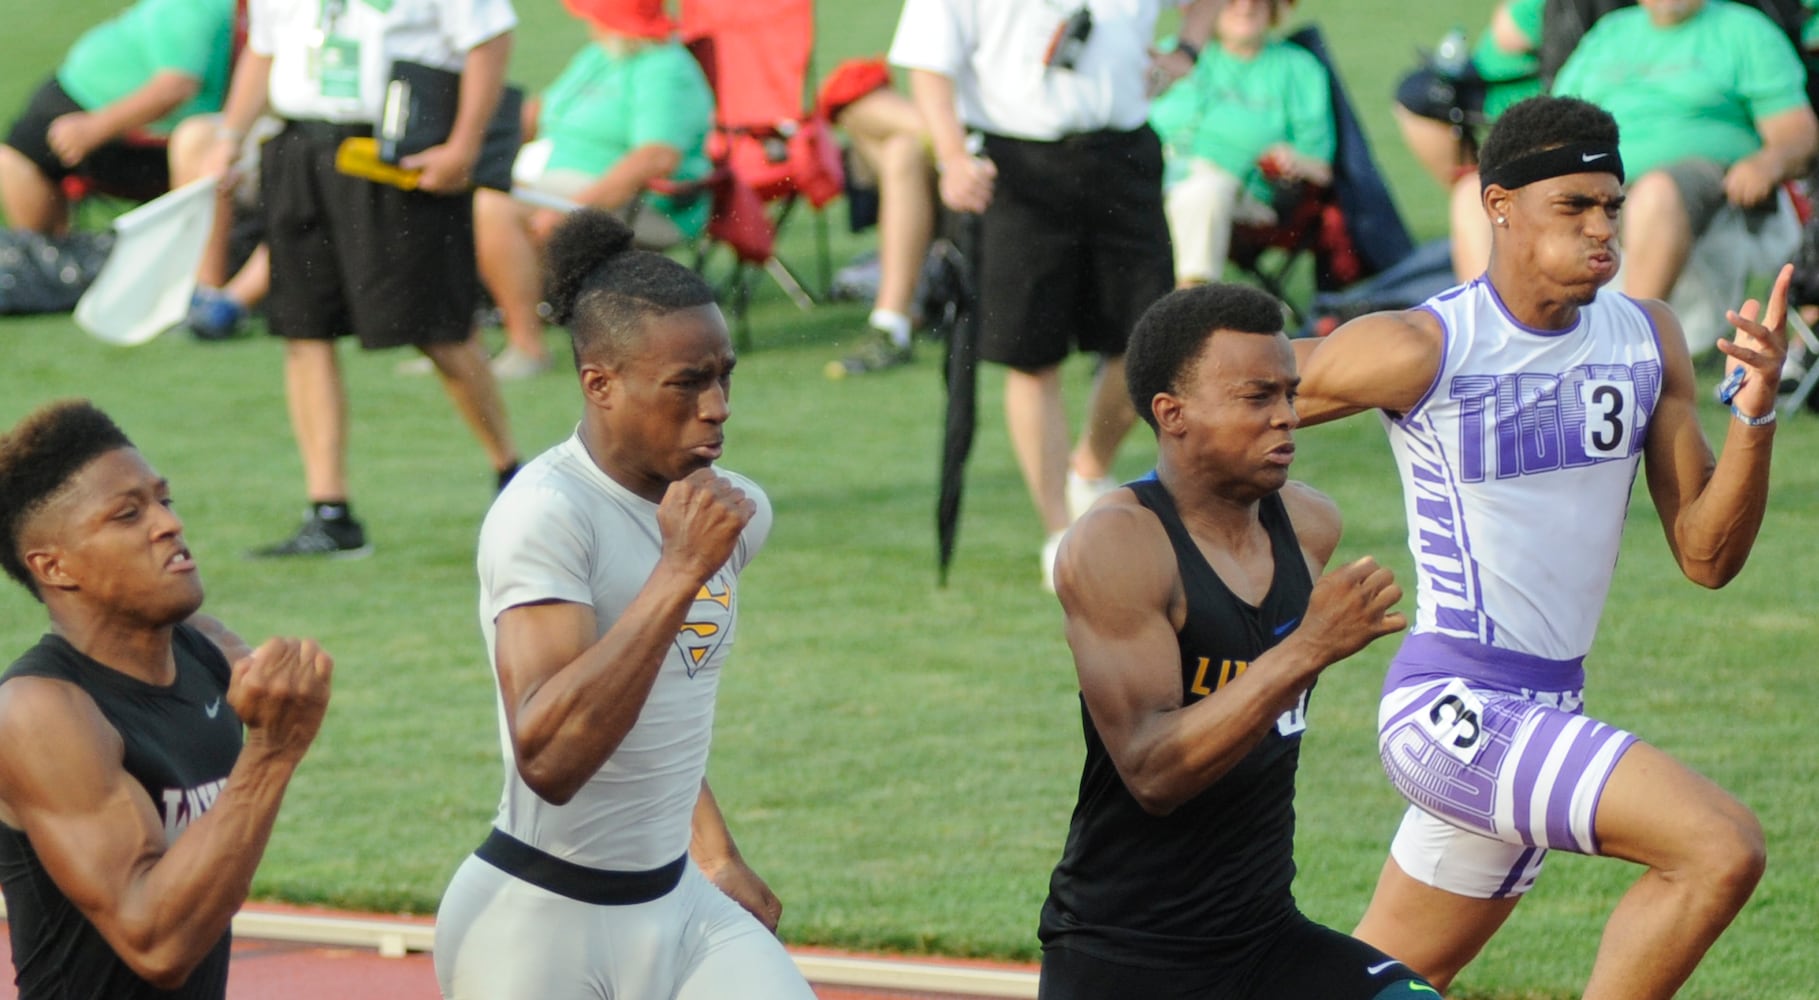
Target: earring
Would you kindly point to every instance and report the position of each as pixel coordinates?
(1503, 220)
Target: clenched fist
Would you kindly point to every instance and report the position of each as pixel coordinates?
(701, 517)
(281, 693)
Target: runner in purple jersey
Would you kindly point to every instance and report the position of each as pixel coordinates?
(1520, 407)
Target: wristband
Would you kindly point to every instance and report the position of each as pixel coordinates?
(1188, 48)
(1733, 380)
(1749, 421)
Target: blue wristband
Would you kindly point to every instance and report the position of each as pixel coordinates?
(1733, 380)
(1749, 421)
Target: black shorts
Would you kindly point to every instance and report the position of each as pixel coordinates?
(137, 171)
(349, 255)
(1074, 246)
(1303, 961)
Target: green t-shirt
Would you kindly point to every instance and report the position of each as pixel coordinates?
(1229, 110)
(119, 55)
(604, 106)
(1695, 88)
(1511, 76)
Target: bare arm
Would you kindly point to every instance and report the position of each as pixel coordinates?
(246, 101)
(569, 698)
(634, 171)
(711, 845)
(1506, 34)
(161, 906)
(1788, 141)
(75, 135)
(966, 180)
(1711, 509)
(448, 168)
(1384, 361)
(1121, 594)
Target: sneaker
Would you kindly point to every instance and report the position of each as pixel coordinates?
(512, 363)
(343, 539)
(874, 353)
(1083, 492)
(212, 315)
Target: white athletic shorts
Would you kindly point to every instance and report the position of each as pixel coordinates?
(1495, 779)
(501, 938)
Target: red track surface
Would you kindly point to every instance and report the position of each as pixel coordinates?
(276, 970)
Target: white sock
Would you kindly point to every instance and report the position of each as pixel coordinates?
(894, 323)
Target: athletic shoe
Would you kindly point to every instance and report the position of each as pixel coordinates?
(875, 353)
(512, 363)
(1082, 492)
(212, 315)
(342, 539)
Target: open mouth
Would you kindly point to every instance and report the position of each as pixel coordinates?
(180, 560)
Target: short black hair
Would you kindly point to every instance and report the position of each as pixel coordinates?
(1542, 123)
(1171, 333)
(601, 288)
(37, 459)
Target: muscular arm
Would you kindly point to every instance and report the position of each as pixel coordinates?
(161, 906)
(1710, 509)
(1120, 590)
(1384, 361)
(570, 697)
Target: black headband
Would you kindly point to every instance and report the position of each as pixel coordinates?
(1577, 158)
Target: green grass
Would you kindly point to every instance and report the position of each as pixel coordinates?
(899, 760)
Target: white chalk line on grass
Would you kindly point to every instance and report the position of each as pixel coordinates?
(394, 938)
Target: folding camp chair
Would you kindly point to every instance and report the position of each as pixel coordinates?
(1352, 228)
(769, 150)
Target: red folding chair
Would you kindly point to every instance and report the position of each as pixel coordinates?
(769, 147)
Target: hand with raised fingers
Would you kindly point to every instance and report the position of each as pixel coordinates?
(1757, 352)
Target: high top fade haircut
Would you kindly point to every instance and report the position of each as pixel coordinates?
(1168, 338)
(602, 289)
(38, 458)
(1542, 123)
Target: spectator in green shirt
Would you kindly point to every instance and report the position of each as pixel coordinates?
(1711, 100)
(1255, 109)
(121, 88)
(631, 107)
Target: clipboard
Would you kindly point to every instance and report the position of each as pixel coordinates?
(419, 112)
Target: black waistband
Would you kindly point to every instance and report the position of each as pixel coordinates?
(1098, 137)
(321, 131)
(578, 882)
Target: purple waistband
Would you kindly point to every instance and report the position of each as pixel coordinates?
(1429, 656)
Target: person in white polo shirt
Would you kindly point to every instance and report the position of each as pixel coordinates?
(1072, 243)
(348, 255)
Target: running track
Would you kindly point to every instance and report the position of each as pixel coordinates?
(281, 970)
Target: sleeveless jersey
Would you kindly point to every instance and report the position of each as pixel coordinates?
(181, 741)
(1517, 468)
(566, 531)
(1205, 883)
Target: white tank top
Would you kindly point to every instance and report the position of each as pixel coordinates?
(1517, 468)
(565, 531)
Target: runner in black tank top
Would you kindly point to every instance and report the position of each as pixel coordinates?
(180, 743)
(140, 774)
(1196, 651)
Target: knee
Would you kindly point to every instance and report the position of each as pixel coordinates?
(1740, 855)
(1654, 196)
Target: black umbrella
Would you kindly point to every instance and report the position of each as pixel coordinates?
(960, 270)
